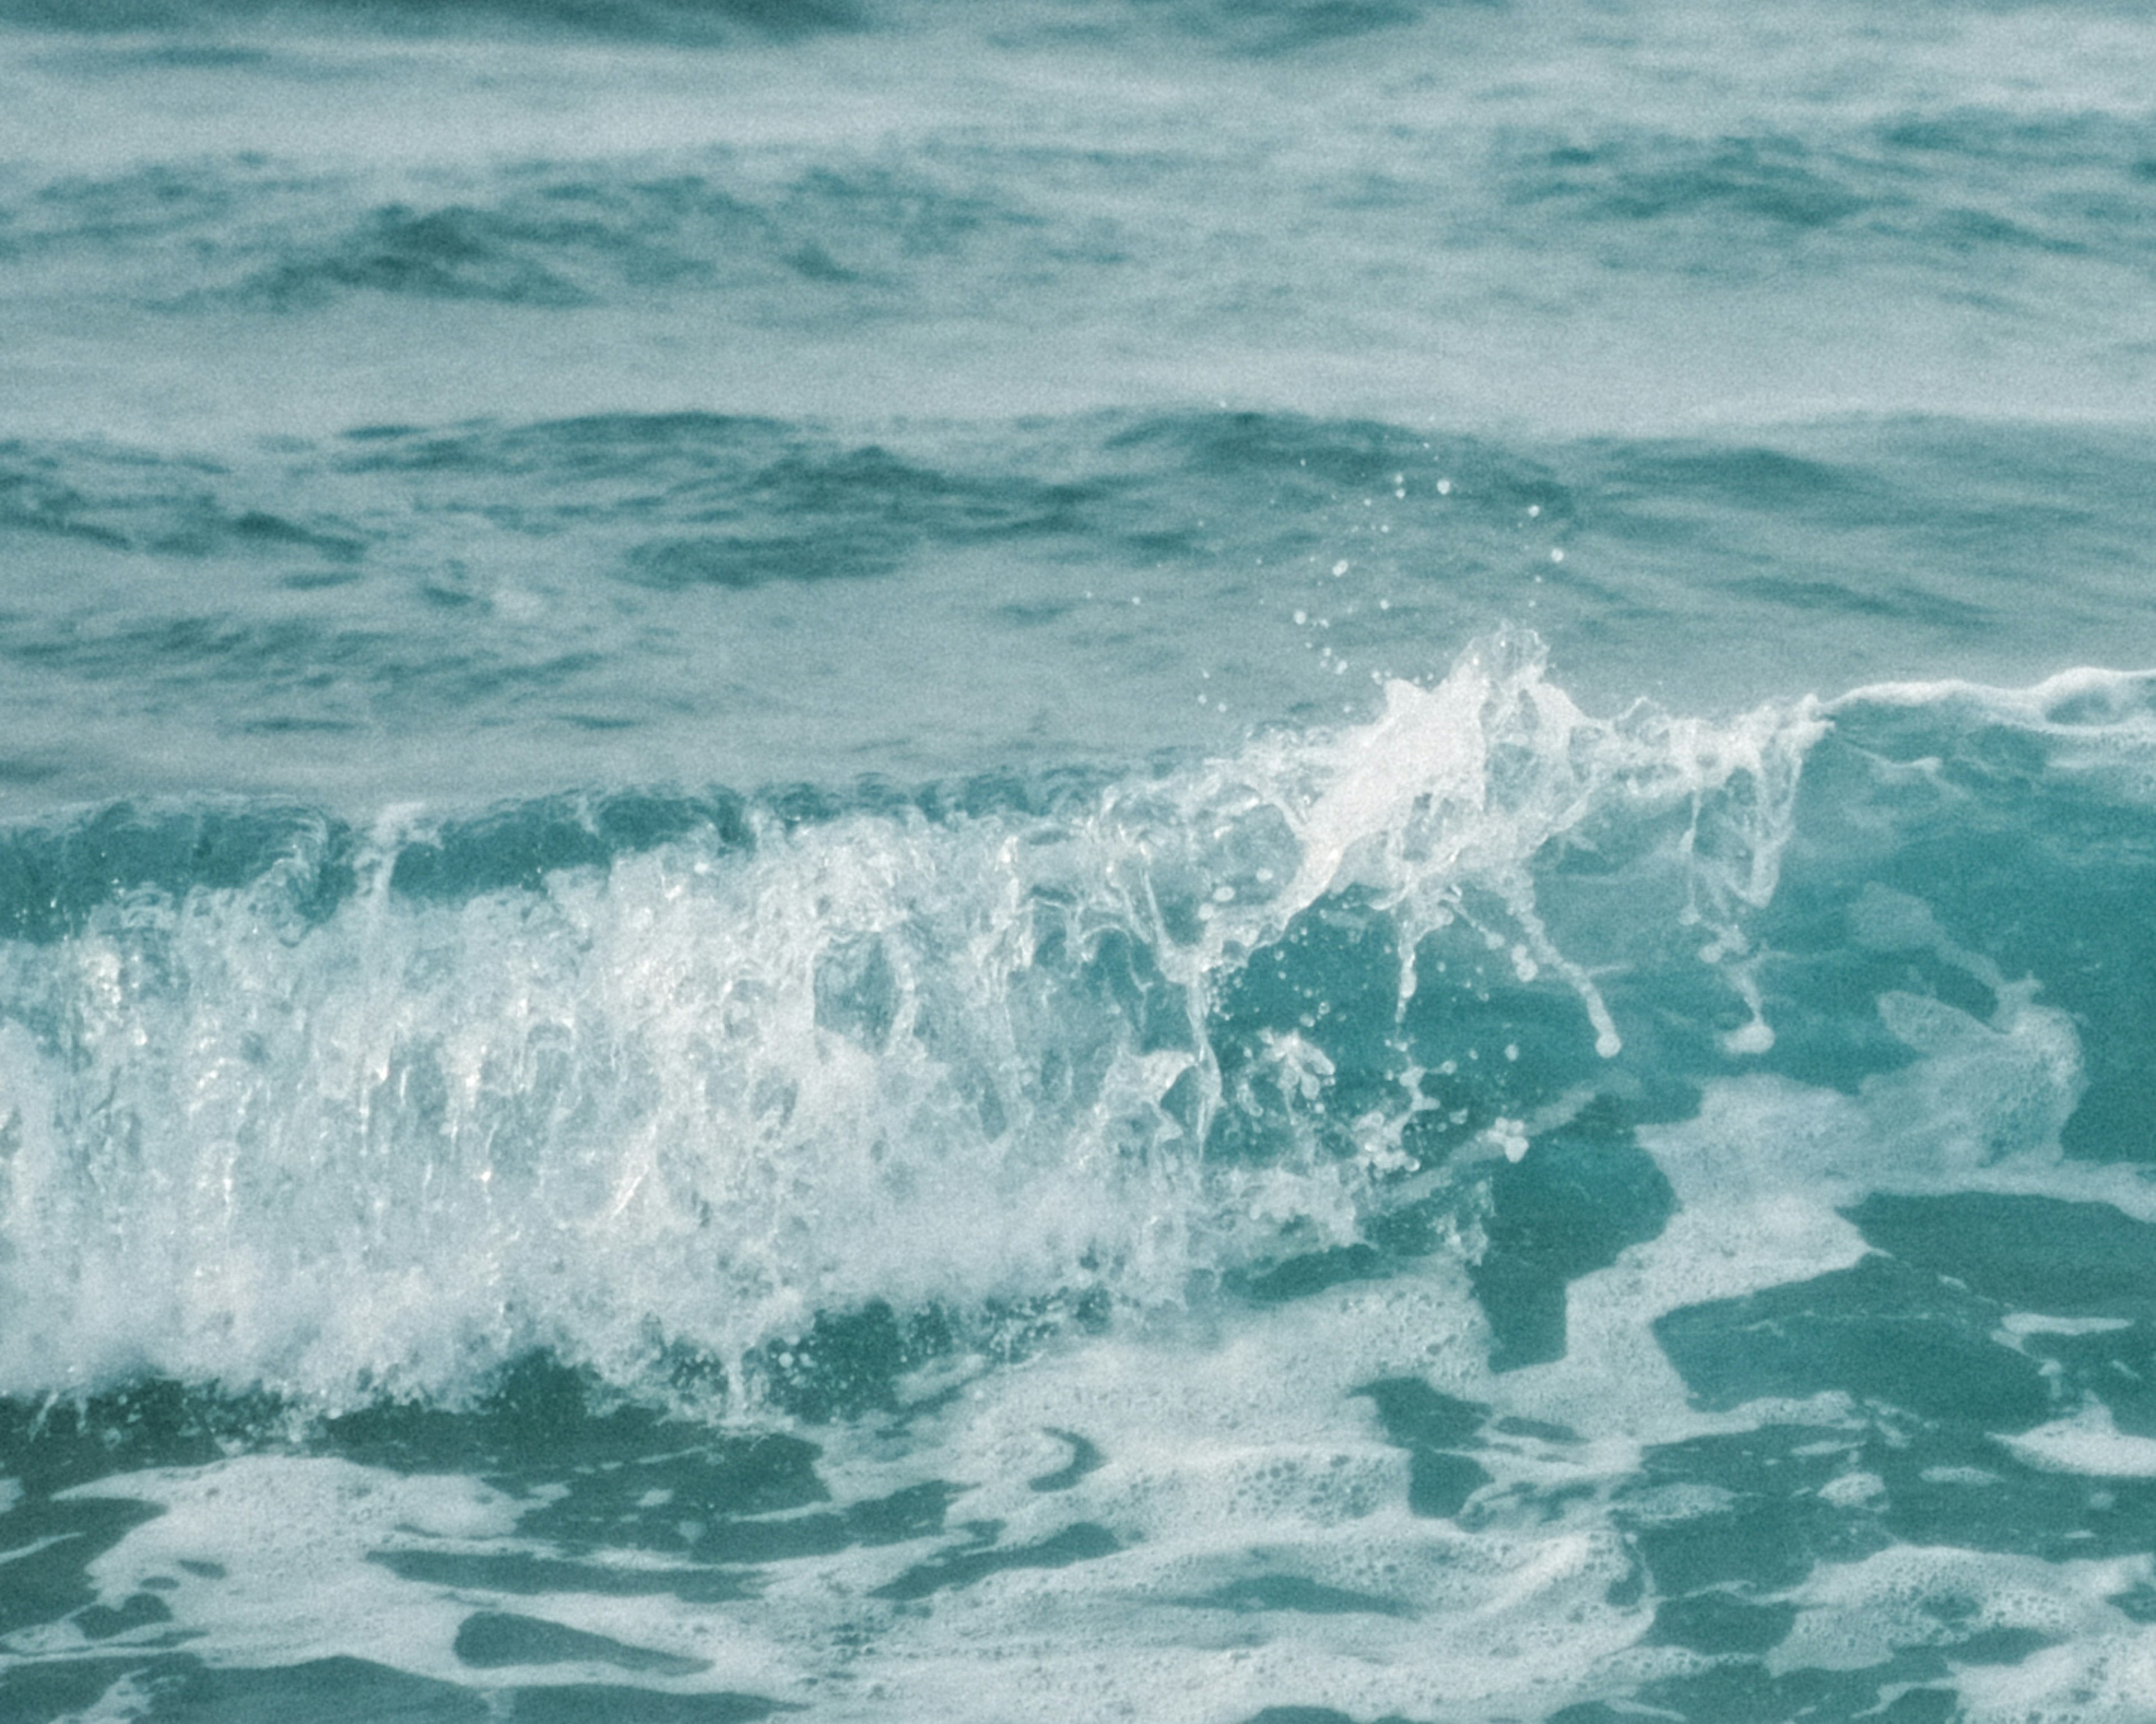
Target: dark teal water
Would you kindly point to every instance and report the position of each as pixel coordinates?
(1268, 863)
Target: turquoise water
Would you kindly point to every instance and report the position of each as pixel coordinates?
(1274, 863)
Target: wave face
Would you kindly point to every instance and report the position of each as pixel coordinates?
(343, 1112)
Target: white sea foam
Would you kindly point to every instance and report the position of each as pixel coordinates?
(1233, 1449)
(2084, 696)
(1856, 1614)
(241, 1548)
(700, 1095)
(2090, 1443)
(2098, 1678)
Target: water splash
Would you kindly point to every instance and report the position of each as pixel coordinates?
(696, 1094)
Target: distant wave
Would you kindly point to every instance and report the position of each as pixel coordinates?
(1965, 182)
(1266, 27)
(684, 21)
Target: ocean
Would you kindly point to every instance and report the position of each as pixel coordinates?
(1270, 862)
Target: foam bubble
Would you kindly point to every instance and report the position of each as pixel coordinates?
(2088, 1443)
(266, 1560)
(1266, 1550)
(2101, 1678)
(239, 1549)
(1852, 1615)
